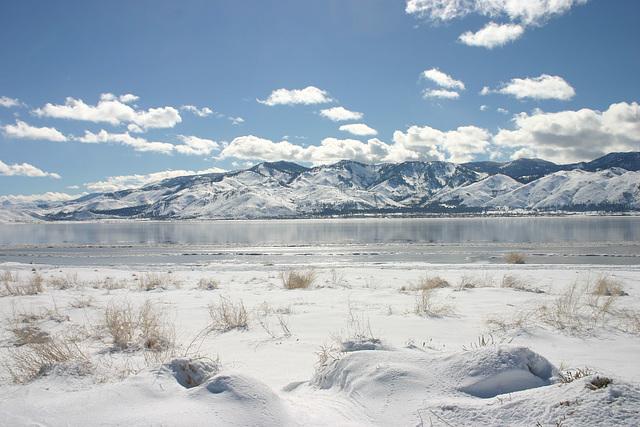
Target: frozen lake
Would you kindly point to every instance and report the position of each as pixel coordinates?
(571, 240)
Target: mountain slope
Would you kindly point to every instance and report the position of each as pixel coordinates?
(288, 190)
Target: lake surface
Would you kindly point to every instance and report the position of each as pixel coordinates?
(575, 239)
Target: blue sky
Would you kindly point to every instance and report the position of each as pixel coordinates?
(103, 95)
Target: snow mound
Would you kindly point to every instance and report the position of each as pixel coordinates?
(193, 372)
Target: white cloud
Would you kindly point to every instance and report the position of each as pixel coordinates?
(112, 110)
(202, 112)
(529, 12)
(253, 147)
(493, 35)
(306, 96)
(574, 136)
(123, 182)
(139, 144)
(543, 87)
(358, 129)
(483, 107)
(340, 113)
(440, 93)
(47, 197)
(9, 102)
(24, 169)
(236, 120)
(502, 110)
(128, 98)
(23, 130)
(485, 91)
(196, 146)
(429, 143)
(442, 79)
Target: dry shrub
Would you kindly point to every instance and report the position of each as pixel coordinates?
(11, 284)
(514, 258)
(156, 281)
(208, 284)
(66, 281)
(297, 279)
(606, 286)
(264, 316)
(138, 328)
(429, 282)
(33, 360)
(427, 306)
(227, 315)
(517, 283)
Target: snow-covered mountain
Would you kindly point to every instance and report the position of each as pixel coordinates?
(288, 190)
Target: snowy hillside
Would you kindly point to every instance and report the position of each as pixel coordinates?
(282, 189)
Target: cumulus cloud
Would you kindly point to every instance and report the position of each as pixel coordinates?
(543, 87)
(196, 146)
(24, 169)
(201, 112)
(493, 35)
(442, 79)
(9, 102)
(123, 182)
(340, 113)
(253, 147)
(430, 143)
(139, 144)
(23, 130)
(113, 110)
(358, 129)
(522, 12)
(574, 136)
(306, 96)
(440, 93)
(529, 12)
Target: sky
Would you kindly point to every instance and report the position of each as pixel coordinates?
(104, 95)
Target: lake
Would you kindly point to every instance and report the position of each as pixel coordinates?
(572, 239)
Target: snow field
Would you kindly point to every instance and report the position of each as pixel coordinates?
(354, 348)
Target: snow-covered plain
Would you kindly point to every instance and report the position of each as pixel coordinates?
(491, 344)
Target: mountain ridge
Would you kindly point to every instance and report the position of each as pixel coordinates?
(288, 190)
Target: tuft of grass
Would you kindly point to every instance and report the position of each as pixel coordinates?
(606, 286)
(135, 328)
(33, 360)
(426, 305)
(228, 315)
(298, 279)
(208, 284)
(514, 258)
(430, 282)
(155, 281)
(11, 284)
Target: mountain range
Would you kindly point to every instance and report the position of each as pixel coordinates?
(288, 190)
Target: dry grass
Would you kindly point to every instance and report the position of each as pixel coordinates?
(228, 315)
(138, 328)
(265, 315)
(33, 360)
(298, 279)
(12, 284)
(426, 305)
(208, 284)
(514, 258)
(427, 283)
(156, 281)
(607, 286)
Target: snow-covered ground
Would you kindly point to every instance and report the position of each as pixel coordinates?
(364, 344)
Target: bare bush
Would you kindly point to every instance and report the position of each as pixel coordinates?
(426, 305)
(514, 258)
(606, 286)
(297, 279)
(31, 361)
(155, 281)
(208, 284)
(11, 284)
(227, 315)
(429, 282)
(138, 328)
